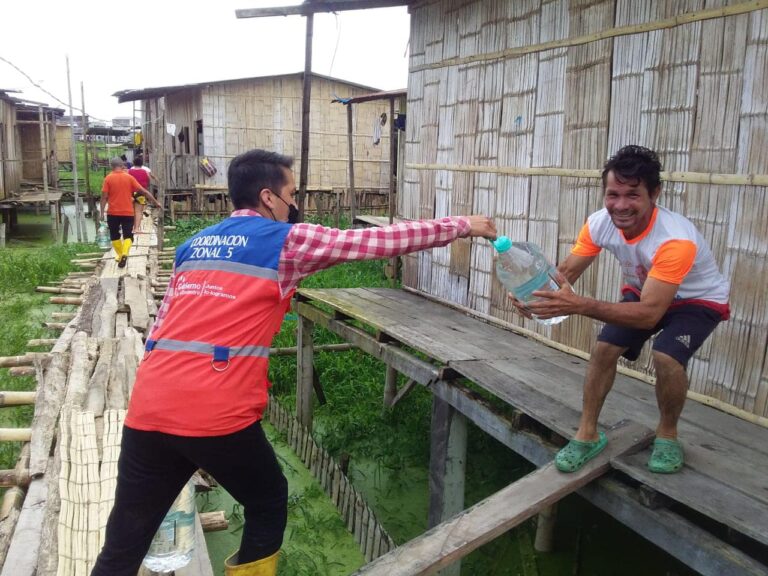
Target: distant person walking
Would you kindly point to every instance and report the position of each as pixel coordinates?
(117, 192)
(143, 176)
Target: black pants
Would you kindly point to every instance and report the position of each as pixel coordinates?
(152, 470)
(115, 223)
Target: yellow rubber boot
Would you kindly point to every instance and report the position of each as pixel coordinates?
(264, 567)
(118, 246)
(127, 246)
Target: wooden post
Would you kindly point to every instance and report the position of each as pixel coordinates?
(91, 202)
(392, 163)
(351, 148)
(75, 187)
(304, 372)
(305, 106)
(390, 386)
(545, 530)
(447, 462)
(43, 155)
(2, 234)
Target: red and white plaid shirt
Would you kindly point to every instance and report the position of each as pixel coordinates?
(310, 248)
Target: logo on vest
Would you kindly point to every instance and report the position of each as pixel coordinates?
(185, 288)
(217, 247)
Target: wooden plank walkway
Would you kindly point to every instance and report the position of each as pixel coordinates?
(455, 538)
(726, 457)
(82, 395)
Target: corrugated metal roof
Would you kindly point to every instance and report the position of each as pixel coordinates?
(131, 95)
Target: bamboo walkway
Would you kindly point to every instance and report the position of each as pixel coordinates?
(69, 464)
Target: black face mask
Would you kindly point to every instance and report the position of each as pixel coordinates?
(293, 212)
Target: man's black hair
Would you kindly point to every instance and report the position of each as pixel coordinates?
(253, 171)
(635, 164)
(138, 161)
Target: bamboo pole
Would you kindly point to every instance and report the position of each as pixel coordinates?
(13, 498)
(672, 22)
(57, 290)
(63, 315)
(709, 401)
(55, 325)
(351, 153)
(689, 177)
(21, 371)
(88, 195)
(15, 434)
(305, 107)
(25, 360)
(44, 154)
(17, 398)
(75, 187)
(41, 342)
(66, 300)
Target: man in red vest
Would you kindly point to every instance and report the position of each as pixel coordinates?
(201, 389)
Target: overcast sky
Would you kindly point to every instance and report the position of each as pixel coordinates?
(167, 42)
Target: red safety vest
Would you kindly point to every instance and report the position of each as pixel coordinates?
(205, 369)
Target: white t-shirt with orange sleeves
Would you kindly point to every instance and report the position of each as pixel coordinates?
(670, 249)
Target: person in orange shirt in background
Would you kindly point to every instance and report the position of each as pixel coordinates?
(673, 289)
(117, 192)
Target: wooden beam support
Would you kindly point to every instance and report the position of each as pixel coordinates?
(390, 386)
(292, 350)
(403, 392)
(457, 537)
(305, 372)
(309, 8)
(447, 465)
(351, 158)
(306, 101)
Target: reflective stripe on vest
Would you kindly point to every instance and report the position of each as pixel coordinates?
(219, 353)
(224, 266)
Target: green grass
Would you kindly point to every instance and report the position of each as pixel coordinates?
(23, 312)
(389, 461)
(96, 175)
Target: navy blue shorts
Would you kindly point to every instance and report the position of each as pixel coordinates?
(683, 329)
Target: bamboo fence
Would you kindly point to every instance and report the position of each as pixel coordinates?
(370, 535)
(513, 109)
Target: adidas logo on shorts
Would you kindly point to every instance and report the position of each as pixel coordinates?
(685, 340)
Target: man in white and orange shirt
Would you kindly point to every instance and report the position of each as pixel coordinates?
(673, 288)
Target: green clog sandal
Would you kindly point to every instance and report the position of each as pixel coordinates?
(576, 453)
(667, 456)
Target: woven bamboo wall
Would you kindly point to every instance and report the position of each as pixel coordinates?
(697, 93)
(266, 113)
(10, 161)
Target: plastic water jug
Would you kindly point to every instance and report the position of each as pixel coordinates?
(102, 236)
(523, 269)
(173, 544)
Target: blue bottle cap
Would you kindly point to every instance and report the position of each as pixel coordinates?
(502, 244)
